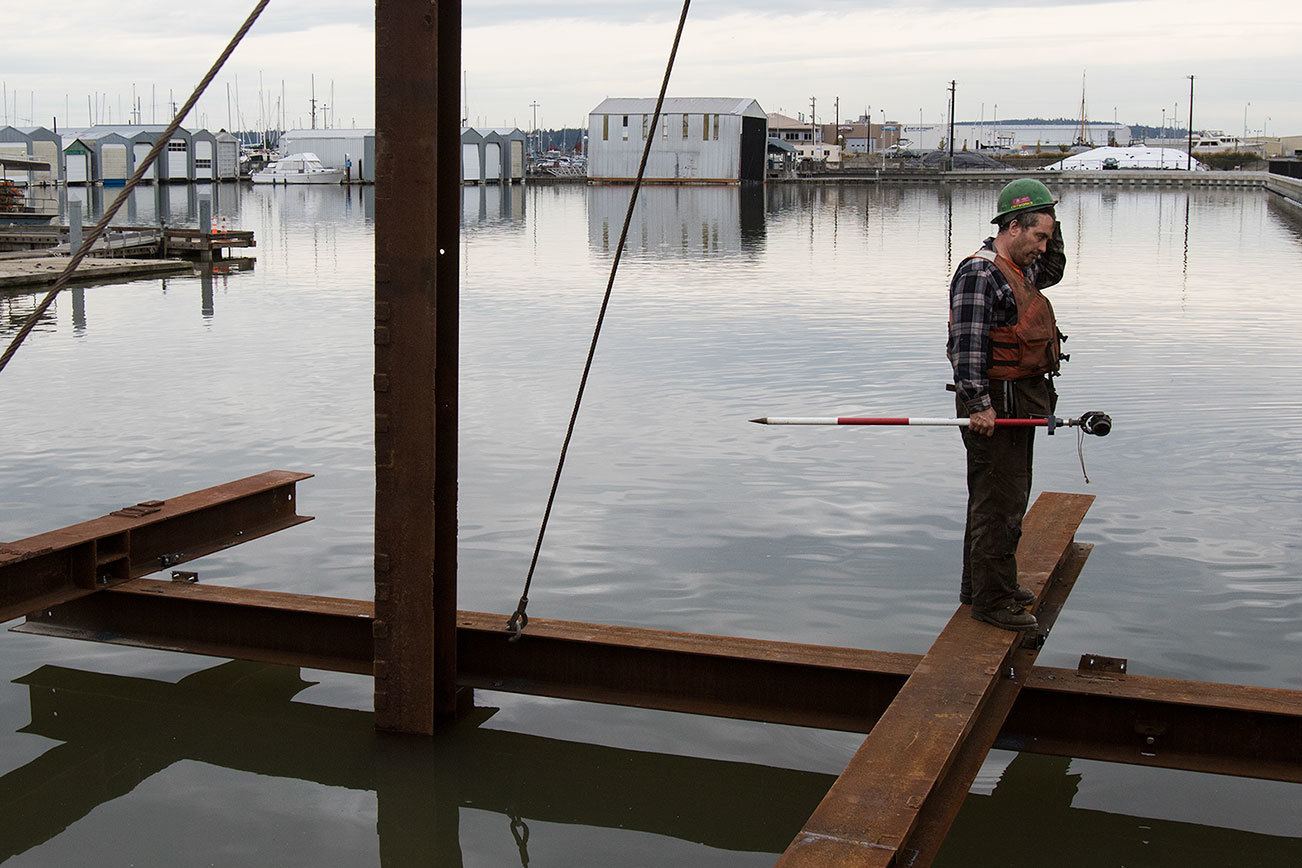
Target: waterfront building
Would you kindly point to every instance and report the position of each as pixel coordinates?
(819, 152)
(792, 130)
(79, 160)
(701, 140)
(472, 156)
(205, 155)
(861, 137)
(335, 148)
(39, 143)
(175, 163)
(111, 161)
(504, 152)
(983, 135)
(228, 157)
(1279, 146)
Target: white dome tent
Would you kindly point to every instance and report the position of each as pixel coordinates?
(1136, 157)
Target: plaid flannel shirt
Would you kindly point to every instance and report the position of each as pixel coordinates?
(981, 299)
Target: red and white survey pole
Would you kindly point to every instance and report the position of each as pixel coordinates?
(1093, 422)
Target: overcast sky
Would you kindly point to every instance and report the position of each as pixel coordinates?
(1025, 58)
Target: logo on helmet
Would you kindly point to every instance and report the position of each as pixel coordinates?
(1020, 201)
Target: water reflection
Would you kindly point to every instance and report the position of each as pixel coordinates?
(78, 310)
(494, 206)
(17, 306)
(150, 204)
(118, 732)
(681, 222)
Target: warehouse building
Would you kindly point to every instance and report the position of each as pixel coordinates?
(351, 149)
(701, 140)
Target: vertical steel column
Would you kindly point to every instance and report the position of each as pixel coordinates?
(417, 192)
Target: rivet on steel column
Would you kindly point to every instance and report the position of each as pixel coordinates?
(417, 70)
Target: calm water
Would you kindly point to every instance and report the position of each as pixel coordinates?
(1184, 310)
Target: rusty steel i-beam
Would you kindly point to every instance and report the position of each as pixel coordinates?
(417, 223)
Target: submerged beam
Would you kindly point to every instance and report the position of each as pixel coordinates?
(953, 704)
(137, 540)
(1219, 728)
(119, 731)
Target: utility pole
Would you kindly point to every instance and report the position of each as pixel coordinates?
(1244, 141)
(312, 101)
(836, 114)
(953, 87)
(1189, 162)
(868, 116)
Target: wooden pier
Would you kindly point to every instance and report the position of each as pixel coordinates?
(43, 270)
(126, 241)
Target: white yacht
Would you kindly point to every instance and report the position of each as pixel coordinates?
(303, 168)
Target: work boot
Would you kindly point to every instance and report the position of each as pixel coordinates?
(1020, 596)
(1010, 617)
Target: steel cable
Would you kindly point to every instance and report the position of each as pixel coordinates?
(519, 620)
(66, 275)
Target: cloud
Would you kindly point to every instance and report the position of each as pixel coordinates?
(1025, 57)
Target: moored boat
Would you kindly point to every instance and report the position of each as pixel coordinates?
(302, 168)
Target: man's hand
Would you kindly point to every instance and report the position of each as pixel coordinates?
(983, 422)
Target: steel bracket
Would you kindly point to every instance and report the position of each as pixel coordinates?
(1099, 666)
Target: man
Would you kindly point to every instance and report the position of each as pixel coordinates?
(1004, 346)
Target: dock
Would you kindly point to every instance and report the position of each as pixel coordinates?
(125, 241)
(44, 270)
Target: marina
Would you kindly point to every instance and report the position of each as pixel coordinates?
(780, 595)
(878, 583)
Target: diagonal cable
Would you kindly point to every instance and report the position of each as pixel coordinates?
(519, 620)
(66, 275)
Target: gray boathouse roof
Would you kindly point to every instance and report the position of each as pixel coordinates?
(717, 105)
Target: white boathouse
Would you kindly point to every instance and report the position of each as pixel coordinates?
(701, 140)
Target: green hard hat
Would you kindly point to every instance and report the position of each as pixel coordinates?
(1024, 194)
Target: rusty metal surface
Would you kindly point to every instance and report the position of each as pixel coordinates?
(265, 626)
(1220, 728)
(417, 212)
(1102, 667)
(938, 812)
(870, 813)
(142, 538)
(1228, 729)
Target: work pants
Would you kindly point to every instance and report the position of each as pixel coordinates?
(998, 489)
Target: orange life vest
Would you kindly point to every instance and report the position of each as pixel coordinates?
(1031, 347)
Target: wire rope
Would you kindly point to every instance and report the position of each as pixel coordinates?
(519, 619)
